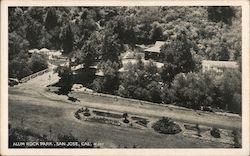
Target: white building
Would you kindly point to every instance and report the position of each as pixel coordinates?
(218, 66)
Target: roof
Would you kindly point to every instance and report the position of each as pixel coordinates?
(129, 55)
(134, 61)
(33, 51)
(220, 64)
(157, 47)
(44, 50)
(55, 53)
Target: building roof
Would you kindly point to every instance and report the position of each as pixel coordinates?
(220, 64)
(156, 48)
(134, 61)
(44, 50)
(129, 55)
(33, 51)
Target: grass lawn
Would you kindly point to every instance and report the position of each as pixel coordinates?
(41, 115)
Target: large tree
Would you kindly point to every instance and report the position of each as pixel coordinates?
(38, 62)
(109, 82)
(177, 57)
(111, 47)
(230, 91)
(90, 51)
(221, 13)
(51, 18)
(67, 39)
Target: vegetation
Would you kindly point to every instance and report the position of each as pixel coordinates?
(215, 132)
(125, 116)
(166, 126)
(96, 36)
(107, 114)
(236, 136)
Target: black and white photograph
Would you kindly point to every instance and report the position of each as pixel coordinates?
(125, 77)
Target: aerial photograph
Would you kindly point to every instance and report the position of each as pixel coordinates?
(115, 77)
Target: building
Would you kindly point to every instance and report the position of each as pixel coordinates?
(218, 66)
(52, 54)
(130, 57)
(154, 52)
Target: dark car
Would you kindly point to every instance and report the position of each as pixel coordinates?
(207, 108)
(13, 82)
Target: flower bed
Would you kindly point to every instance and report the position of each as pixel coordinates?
(108, 114)
(104, 121)
(166, 126)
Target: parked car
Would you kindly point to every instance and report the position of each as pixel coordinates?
(13, 81)
(207, 108)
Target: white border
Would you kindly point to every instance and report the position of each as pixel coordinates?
(177, 151)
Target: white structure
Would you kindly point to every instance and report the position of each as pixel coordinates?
(44, 51)
(126, 62)
(218, 66)
(156, 48)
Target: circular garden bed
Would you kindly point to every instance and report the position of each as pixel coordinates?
(166, 126)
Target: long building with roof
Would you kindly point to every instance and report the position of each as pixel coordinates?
(218, 66)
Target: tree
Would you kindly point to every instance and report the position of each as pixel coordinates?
(193, 90)
(65, 81)
(221, 13)
(15, 19)
(51, 19)
(220, 51)
(67, 40)
(36, 13)
(125, 29)
(230, 89)
(109, 83)
(38, 63)
(91, 50)
(177, 57)
(34, 34)
(17, 44)
(154, 92)
(140, 83)
(111, 47)
(156, 33)
(19, 66)
(168, 73)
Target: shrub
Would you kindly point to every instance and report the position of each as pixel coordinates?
(166, 126)
(126, 120)
(86, 114)
(215, 132)
(198, 130)
(77, 115)
(236, 139)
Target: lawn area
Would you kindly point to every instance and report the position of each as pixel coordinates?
(42, 115)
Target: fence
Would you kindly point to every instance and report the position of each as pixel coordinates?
(25, 79)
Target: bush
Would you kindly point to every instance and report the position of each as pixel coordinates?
(126, 120)
(215, 132)
(236, 139)
(166, 126)
(86, 114)
(77, 115)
